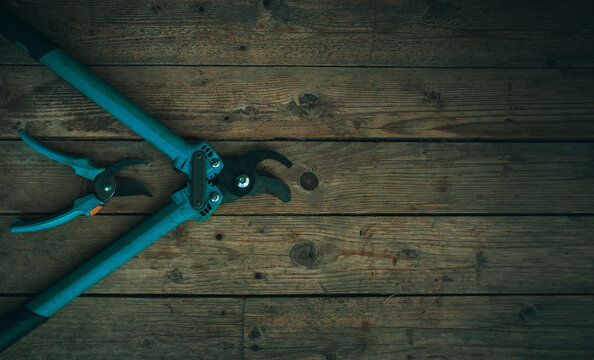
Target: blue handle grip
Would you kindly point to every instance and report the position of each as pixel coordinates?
(16, 325)
(114, 255)
(24, 35)
(82, 166)
(81, 206)
(121, 107)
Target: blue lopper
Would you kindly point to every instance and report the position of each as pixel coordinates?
(211, 182)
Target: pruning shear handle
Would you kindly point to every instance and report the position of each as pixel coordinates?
(87, 205)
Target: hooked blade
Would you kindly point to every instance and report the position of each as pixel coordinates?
(129, 187)
(273, 186)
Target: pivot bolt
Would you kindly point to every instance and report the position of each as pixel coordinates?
(106, 187)
(215, 163)
(242, 181)
(214, 196)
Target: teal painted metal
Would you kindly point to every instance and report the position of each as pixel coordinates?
(81, 206)
(82, 166)
(116, 254)
(121, 107)
(85, 205)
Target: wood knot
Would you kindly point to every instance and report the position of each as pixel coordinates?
(330, 355)
(408, 254)
(308, 105)
(306, 254)
(255, 333)
(529, 311)
(176, 276)
(309, 181)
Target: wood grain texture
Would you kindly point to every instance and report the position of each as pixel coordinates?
(460, 33)
(420, 328)
(354, 177)
(290, 255)
(309, 103)
(137, 328)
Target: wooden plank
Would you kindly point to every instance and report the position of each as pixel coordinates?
(438, 33)
(344, 177)
(503, 327)
(124, 328)
(309, 103)
(255, 255)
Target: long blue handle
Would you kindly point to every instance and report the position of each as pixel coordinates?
(121, 107)
(47, 52)
(28, 317)
(110, 258)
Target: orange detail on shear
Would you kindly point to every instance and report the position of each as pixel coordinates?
(95, 210)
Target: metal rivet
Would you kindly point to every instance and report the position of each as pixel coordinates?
(215, 163)
(106, 187)
(242, 181)
(214, 197)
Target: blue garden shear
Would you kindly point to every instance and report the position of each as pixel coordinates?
(106, 186)
(211, 181)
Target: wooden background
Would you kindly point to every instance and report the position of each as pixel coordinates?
(443, 187)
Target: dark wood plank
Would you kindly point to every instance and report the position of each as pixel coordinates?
(524, 327)
(309, 103)
(458, 33)
(353, 177)
(124, 328)
(318, 255)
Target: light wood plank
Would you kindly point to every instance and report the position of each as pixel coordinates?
(135, 328)
(457, 33)
(231, 255)
(502, 327)
(256, 103)
(353, 177)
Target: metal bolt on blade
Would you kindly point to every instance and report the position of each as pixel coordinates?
(242, 181)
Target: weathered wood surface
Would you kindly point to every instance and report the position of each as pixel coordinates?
(307, 103)
(135, 328)
(287, 255)
(352, 74)
(353, 177)
(461, 33)
(528, 327)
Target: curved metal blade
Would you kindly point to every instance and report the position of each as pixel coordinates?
(129, 187)
(115, 168)
(273, 186)
(106, 183)
(245, 165)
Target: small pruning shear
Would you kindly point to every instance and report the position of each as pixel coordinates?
(212, 181)
(106, 185)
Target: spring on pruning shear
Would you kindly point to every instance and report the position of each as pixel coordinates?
(212, 180)
(106, 186)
